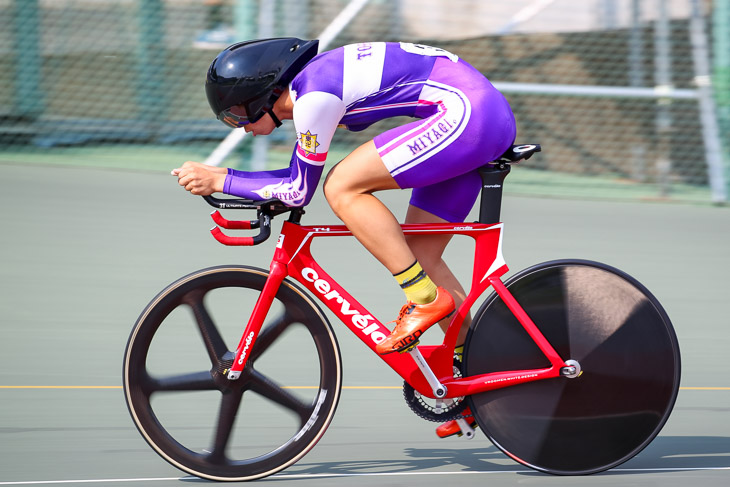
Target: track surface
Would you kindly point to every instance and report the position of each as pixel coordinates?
(85, 249)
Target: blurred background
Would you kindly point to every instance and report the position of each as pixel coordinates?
(629, 98)
(99, 99)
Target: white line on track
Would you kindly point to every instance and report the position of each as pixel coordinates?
(89, 481)
(374, 474)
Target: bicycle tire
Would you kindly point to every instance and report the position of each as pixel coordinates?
(622, 339)
(171, 409)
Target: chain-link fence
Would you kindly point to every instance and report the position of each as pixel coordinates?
(629, 98)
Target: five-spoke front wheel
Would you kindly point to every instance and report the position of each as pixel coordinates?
(186, 408)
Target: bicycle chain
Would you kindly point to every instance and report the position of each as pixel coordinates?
(428, 412)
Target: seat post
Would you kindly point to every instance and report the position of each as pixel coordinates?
(492, 184)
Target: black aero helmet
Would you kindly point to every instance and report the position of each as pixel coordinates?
(253, 74)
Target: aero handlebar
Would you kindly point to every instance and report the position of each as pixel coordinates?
(265, 209)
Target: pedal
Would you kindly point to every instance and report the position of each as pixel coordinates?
(409, 347)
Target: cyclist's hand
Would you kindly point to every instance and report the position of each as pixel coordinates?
(200, 179)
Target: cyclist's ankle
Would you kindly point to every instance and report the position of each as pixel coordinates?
(418, 287)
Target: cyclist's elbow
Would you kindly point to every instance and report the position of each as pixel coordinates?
(297, 199)
(307, 197)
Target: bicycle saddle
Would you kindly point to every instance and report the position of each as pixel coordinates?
(519, 152)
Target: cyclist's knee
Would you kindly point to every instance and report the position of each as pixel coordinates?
(338, 192)
(333, 190)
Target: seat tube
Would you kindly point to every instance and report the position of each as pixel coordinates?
(490, 205)
(278, 272)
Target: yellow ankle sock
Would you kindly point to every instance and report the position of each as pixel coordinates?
(418, 287)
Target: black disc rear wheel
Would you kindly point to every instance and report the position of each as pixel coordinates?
(182, 402)
(627, 350)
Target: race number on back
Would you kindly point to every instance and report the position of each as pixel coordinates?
(428, 51)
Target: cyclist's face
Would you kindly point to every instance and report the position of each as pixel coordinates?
(263, 126)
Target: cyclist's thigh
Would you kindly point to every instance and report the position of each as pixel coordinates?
(361, 171)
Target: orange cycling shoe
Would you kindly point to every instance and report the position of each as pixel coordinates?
(413, 320)
(451, 428)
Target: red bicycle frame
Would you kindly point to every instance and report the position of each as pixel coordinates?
(293, 258)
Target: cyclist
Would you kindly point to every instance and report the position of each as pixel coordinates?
(462, 121)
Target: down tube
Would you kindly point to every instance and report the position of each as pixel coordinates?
(366, 327)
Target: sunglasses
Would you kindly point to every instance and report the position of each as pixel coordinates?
(235, 117)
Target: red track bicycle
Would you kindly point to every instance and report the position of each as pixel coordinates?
(570, 367)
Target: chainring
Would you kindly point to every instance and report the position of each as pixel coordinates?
(428, 408)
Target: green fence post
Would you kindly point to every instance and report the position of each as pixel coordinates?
(721, 81)
(28, 97)
(150, 63)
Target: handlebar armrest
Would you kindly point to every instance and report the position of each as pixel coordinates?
(274, 205)
(230, 203)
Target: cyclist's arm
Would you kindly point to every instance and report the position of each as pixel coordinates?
(316, 116)
(294, 186)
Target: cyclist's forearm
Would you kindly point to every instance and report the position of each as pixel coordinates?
(277, 173)
(294, 189)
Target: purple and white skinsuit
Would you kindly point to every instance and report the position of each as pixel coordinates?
(462, 123)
